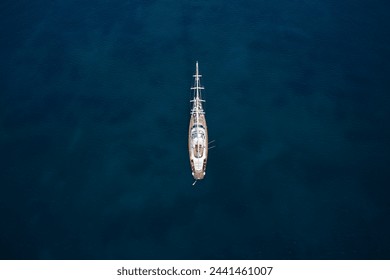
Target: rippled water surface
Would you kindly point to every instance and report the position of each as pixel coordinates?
(94, 111)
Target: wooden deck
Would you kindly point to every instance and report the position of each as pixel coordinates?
(202, 121)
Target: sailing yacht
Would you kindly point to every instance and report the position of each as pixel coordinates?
(197, 132)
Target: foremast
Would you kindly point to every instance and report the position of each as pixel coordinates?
(197, 108)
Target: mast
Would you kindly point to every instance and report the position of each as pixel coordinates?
(197, 82)
(197, 87)
(197, 92)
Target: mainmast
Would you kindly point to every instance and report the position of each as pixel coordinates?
(197, 99)
(197, 86)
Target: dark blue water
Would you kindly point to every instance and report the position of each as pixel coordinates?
(94, 109)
